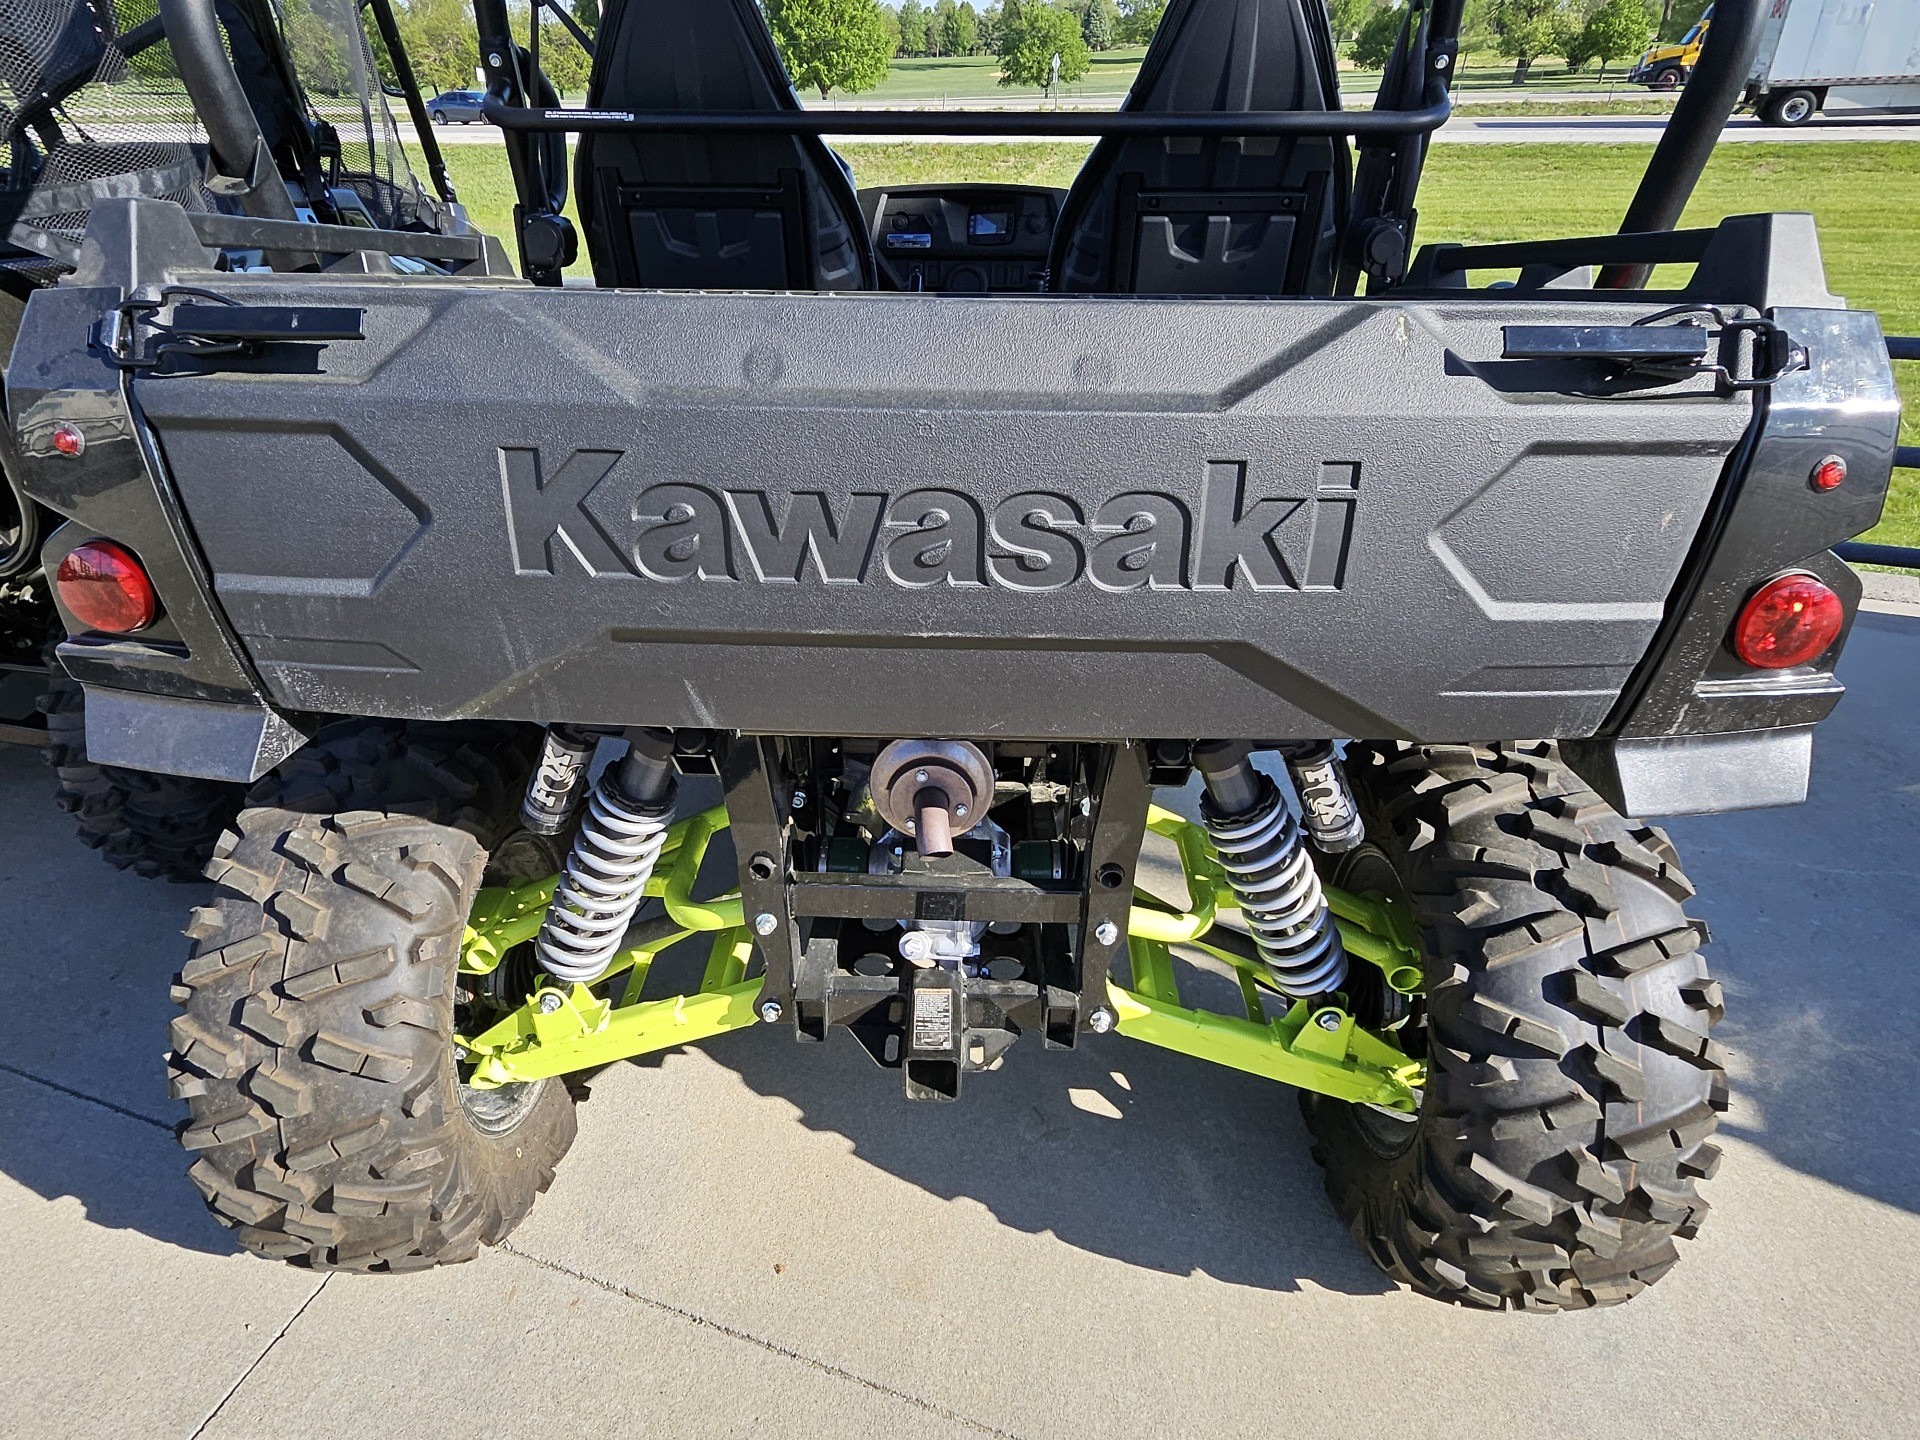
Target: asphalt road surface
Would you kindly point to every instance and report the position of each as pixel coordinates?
(1466, 127)
(759, 1238)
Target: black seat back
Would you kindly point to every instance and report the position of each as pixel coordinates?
(709, 211)
(1215, 215)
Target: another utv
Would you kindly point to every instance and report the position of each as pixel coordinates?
(949, 529)
(94, 107)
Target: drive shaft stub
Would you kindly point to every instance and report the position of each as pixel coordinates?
(932, 789)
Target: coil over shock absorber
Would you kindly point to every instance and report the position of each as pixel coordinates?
(554, 789)
(1327, 806)
(1265, 856)
(613, 856)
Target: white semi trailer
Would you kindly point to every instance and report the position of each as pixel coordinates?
(1837, 57)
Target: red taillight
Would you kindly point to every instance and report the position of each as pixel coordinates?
(106, 588)
(1830, 473)
(1788, 621)
(69, 439)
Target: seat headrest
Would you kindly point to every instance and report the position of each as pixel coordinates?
(702, 209)
(1246, 215)
(687, 55)
(1228, 55)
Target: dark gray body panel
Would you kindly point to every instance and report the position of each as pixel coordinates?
(1366, 523)
(55, 376)
(1768, 520)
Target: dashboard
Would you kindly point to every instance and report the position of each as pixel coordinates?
(962, 239)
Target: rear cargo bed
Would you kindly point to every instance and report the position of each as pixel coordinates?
(873, 514)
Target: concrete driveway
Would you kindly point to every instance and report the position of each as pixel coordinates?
(762, 1239)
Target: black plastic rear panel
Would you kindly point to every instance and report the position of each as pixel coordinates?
(581, 505)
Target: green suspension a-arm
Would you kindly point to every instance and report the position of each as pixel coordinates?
(563, 1029)
(1322, 1049)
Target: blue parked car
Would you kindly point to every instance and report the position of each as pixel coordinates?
(461, 105)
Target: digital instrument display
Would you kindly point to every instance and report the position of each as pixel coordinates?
(990, 225)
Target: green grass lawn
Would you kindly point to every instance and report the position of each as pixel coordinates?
(1859, 192)
(977, 77)
(1485, 71)
(1626, 102)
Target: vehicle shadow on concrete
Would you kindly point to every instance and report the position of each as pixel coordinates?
(1122, 1150)
(125, 1173)
(1116, 1148)
(1815, 911)
(85, 957)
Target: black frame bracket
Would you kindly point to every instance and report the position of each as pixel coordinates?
(801, 916)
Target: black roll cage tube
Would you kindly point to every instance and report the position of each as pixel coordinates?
(220, 101)
(1712, 90)
(1100, 124)
(538, 164)
(226, 112)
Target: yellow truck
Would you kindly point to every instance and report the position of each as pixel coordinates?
(1814, 57)
(1666, 67)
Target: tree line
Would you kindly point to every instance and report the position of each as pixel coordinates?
(828, 45)
(1580, 32)
(848, 45)
(957, 27)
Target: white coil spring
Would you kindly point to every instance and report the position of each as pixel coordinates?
(606, 871)
(1272, 874)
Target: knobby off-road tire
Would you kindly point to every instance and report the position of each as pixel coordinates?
(326, 1113)
(1572, 1085)
(155, 825)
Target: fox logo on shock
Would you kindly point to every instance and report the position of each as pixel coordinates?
(581, 513)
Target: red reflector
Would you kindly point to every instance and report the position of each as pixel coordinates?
(1828, 474)
(69, 439)
(1788, 621)
(105, 588)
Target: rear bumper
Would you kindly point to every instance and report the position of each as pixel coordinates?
(1697, 774)
(210, 739)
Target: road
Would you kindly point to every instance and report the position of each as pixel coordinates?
(1464, 128)
(1468, 128)
(762, 1239)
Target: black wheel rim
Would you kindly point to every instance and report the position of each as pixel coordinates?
(1388, 1133)
(501, 1109)
(498, 1109)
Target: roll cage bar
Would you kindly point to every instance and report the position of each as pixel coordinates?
(1392, 138)
(403, 73)
(1413, 102)
(232, 100)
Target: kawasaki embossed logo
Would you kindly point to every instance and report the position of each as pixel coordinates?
(582, 515)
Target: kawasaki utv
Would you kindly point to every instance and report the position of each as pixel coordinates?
(94, 106)
(953, 530)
